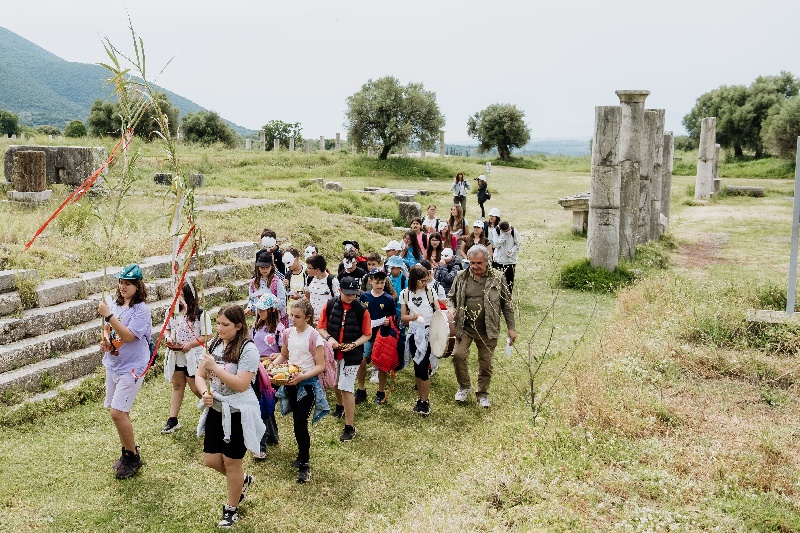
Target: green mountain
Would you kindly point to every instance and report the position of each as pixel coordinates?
(44, 89)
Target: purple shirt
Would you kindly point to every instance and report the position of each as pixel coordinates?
(135, 354)
(268, 343)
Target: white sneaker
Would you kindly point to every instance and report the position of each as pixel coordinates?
(461, 394)
(484, 402)
(374, 377)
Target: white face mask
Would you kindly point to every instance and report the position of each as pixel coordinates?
(268, 242)
(309, 251)
(348, 263)
(288, 259)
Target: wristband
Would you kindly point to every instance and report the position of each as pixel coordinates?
(204, 393)
(109, 317)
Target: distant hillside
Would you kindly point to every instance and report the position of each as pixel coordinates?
(569, 147)
(44, 89)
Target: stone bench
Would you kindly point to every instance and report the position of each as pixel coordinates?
(579, 205)
(744, 190)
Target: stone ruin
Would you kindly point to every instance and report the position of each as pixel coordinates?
(631, 179)
(68, 165)
(29, 179)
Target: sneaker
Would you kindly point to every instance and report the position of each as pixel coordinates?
(248, 480)
(172, 425)
(229, 516)
(131, 463)
(380, 398)
(484, 402)
(422, 407)
(361, 395)
(303, 473)
(338, 412)
(374, 377)
(348, 434)
(118, 462)
(295, 464)
(461, 394)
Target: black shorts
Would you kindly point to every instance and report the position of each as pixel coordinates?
(184, 370)
(214, 443)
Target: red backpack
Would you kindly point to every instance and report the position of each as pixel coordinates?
(384, 349)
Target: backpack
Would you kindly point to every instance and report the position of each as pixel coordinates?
(384, 349)
(511, 229)
(330, 283)
(328, 377)
(431, 298)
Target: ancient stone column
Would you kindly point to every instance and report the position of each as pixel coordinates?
(307, 146)
(262, 140)
(645, 177)
(704, 183)
(29, 173)
(248, 144)
(291, 144)
(715, 184)
(338, 141)
(666, 179)
(276, 145)
(369, 150)
(421, 150)
(405, 151)
(441, 143)
(322, 143)
(630, 147)
(603, 231)
(656, 175)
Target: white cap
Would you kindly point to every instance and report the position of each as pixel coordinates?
(482, 177)
(478, 224)
(447, 253)
(393, 245)
(494, 212)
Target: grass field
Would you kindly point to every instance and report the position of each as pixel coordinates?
(673, 414)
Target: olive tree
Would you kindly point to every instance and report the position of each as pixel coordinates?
(499, 125)
(781, 129)
(207, 127)
(76, 128)
(9, 123)
(385, 112)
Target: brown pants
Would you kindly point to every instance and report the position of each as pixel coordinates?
(486, 348)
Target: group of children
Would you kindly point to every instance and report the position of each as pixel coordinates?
(300, 310)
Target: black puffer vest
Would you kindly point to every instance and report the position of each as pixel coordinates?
(352, 326)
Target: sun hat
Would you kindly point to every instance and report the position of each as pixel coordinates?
(131, 271)
(264, 258)
(377, 272)
(349, 285)
(395, 261)
(266, 301)
(447, 253)
(494, 212)
(393, 245)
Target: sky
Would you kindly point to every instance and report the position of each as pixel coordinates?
(254, 61)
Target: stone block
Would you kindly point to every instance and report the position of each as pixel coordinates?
(742, 190)
(8, 278)
(334, 186)
(319, 181)
(29, 171)
(70, 165)
(56, 291)
(163, 178)
(197, 180)
(402, 197)
(410, 210)
(43, 347)
(33, 198)
(10, 303)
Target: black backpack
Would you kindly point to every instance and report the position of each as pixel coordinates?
(330, 282)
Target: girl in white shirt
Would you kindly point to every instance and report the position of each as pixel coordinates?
(417, 303)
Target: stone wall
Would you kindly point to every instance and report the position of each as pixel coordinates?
(69, 165)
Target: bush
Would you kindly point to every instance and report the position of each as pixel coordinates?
(684, 143)
(75, 129)
(48, 130)
(584, 277)
(519, 162)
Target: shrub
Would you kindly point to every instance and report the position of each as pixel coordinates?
(518, 162)
(582, 276)
(75, 129)
(48, 130)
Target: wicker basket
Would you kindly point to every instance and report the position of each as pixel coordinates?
(278, 382)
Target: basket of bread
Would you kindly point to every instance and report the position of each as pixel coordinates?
(280, 375)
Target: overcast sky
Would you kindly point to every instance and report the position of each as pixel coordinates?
(297, 61)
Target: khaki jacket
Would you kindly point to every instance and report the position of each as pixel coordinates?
(496, 300)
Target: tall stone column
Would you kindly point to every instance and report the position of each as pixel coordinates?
(656, 178)
(262, 140)
(441, 143)
(646, 177)
(630, 148)
(321, 143)
(291, 144)
(276, 145)
(704, 183)
(338, 141)
(421, 150)
(405, 151)
(604, 201)
(307, 146)
(248, 144)
(666, 179)
(715, 185)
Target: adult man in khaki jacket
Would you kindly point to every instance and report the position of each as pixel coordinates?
(476, 300)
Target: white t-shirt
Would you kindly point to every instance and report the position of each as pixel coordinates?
(430, 222)
(298, 348)
(319, 293)
(418, 303)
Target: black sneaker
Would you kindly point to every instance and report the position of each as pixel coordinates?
(424, 408)
(172, 425)
(118, 462)
(380, 398)
(295, 464)
(348, 434)
(338, 412)
(248, 480)
(361, 395)
(303, 473)
(131, 463)
(229, 516)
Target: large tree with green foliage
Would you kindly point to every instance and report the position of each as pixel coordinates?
(76, 128)
(385, 112)
(782, 128)
(499, 125)
(283, 131)
(104, 117)
(102, 121)
(741, 111)
(206, 128)
(9, 123)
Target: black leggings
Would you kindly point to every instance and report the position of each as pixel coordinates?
(508, 272)
(422, 370)
(301, 409)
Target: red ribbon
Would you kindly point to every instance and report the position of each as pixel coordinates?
(82, 188)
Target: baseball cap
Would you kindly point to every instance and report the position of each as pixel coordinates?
(349, 285)
(494, 212)
(393, 245)
(447, 253)
(377, 273)
(354, 244)
(477, 224)
(481, 177)
(264, 258)
(131, 271)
